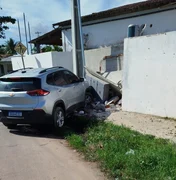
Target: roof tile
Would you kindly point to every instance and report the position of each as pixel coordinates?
(122, 10)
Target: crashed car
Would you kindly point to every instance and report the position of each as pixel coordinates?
(40, 96)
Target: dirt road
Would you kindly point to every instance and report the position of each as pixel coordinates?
(146, 124)
(26, 157)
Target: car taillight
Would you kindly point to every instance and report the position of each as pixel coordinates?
(38, 92)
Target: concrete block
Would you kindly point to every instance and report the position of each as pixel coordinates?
(101, 87)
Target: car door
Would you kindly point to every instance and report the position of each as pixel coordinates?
(77, 86)
(64, 89)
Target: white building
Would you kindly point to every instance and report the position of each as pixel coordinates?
(109, 27)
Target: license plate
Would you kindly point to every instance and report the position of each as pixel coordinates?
(15, 114)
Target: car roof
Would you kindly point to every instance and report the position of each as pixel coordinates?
(30, 72)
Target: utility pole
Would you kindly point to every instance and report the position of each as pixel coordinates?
(77, 41)
(25, 33)
(29, 30)
(20, 42)
(19, 30)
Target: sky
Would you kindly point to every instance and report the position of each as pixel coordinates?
(41, 14)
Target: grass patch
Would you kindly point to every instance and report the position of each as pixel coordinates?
(126, 154)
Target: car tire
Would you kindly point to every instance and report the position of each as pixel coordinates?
(88, 99)
(59, 117)
(10, 126)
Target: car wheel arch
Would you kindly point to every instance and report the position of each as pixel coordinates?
(59, 103)
(89, 89)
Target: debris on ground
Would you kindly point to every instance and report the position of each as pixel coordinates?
(130, 152)
(81, 112)
(113, 100)
(101, 100)
(98, 106)
(120, 103)
(99, 110)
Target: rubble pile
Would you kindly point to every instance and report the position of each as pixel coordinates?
(97, 106)
(100, 111)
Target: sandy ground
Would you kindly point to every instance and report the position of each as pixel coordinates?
(146, 124)
(28, 156)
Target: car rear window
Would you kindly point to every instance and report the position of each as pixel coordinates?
(19, 84)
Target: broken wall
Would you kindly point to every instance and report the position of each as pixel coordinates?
(111, 67)
(149, 75)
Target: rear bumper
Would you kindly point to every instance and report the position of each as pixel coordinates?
(28, 117)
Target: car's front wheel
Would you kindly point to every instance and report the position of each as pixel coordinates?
(88, 99)
(59, 117)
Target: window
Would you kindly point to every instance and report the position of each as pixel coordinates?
(49, 79)
(59, 79)
(19, 84)
(70, 77)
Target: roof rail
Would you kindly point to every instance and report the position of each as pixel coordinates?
(19, 70)
(45, 70)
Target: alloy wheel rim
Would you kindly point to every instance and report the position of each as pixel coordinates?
(60, 119)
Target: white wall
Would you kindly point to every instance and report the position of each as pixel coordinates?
(114, 32)
(63, 59)
(149, 75)
(67, 40)
(94, 59)
(44, 60)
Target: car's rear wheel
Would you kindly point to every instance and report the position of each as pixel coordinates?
(10, 126)
(59, 117)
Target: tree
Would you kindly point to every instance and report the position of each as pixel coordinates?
(10, 47)
(57, 48)
(47, 49)
(51, 48)
(2, 49)
(3, 21)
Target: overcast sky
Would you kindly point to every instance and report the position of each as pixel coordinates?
(41, 14)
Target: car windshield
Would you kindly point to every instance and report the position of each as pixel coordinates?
(19, 84)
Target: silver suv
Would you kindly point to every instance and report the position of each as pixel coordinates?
(33, 96)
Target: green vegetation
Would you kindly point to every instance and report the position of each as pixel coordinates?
(9, 47)
(3, 21)
(126, 154)
(51, 48)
